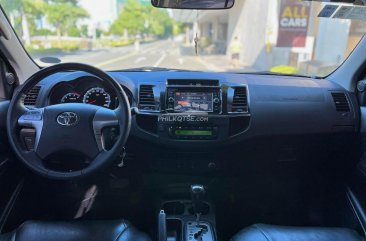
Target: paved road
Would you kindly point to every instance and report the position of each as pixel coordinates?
(165, 53)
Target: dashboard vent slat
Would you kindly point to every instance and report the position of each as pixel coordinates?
(341, 102)
(240, 100)
(30, 98)
(147, 99)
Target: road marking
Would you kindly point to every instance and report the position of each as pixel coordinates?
(140, 60)
(160, 60)
(112, 61)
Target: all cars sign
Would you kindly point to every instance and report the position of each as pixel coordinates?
(293, 23)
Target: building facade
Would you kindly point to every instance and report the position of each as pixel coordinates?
(278, 32)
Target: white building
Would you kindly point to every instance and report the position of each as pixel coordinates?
(264, 26)
(102, 13)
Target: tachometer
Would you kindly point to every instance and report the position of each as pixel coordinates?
(71, 98)
(97, 96)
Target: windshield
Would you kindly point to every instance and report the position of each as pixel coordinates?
(282, 36)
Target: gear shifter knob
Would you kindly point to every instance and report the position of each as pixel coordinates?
(197, 195)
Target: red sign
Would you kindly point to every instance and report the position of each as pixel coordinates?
(293, 23)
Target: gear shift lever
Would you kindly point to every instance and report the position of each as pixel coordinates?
(197, 195)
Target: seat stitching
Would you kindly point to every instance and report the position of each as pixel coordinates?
(263, 232)
(119, 235)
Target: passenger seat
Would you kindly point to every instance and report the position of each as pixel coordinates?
(264, 232)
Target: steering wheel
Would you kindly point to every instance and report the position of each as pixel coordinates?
(68, 128)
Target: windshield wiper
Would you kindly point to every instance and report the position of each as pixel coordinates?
(278, 74)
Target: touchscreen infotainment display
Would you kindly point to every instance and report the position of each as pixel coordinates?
(193, 101)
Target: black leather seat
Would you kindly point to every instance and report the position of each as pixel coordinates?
(263, 232)
(75, 230)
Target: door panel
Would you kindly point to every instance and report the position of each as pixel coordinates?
(11, 173)
(4, 150)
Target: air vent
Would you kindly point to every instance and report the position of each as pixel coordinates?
(30, 98)
(240, 100)
(341, 102)
(147, 99)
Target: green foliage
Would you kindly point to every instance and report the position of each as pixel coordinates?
(73, 32)
(70, 46)
(142, 19)
(42, 51)
(34, 9)
(43, 32)
(63, 14)
(161, 23)
(136, 17)
(72, 2)
(11, 6)
(35, 49)
(98, 32)
(131, 18)
(84, 30)
(177, 28)
(31, 9)
(120, 43)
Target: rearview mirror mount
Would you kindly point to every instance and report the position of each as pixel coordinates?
(193, 4)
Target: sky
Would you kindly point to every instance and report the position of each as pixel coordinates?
(101, 11)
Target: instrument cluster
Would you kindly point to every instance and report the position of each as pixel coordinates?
(86, 90)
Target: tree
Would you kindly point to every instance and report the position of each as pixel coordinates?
(131, 18)
(63, 15)
(27, 11)
(161, 23)
(138, 19)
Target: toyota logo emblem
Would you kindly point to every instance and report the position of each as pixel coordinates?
(67, 119)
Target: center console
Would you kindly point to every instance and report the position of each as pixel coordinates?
(182, 111)
(193, 99)
(187, 220)
(189, 108)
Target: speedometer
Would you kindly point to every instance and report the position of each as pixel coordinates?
(97, 96)
(71, 98)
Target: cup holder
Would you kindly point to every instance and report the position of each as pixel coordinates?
(174, 208)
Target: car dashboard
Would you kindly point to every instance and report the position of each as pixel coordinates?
(190, 110)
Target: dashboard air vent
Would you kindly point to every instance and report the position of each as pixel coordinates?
(30, 98)
(341, 102)
(240, 100)
(147, 99)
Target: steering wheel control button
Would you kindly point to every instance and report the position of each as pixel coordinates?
(32, 115)
(67, 119)
(28, 136)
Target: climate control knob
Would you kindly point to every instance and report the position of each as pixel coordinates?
(216, 100)
(171, 99)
